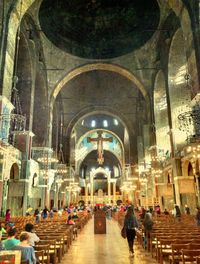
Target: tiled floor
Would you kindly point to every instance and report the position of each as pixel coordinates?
(104, 249)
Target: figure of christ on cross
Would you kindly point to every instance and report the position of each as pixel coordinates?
(100, 141)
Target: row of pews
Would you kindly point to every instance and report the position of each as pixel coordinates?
(171, 241)
(56, 236)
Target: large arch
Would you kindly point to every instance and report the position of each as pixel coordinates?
(161, 113)
(92, 110)
(98, 66)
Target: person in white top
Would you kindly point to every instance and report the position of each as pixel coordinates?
(33, 238)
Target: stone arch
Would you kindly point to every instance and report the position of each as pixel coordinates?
(92, 110)
(97, 66)
(161, 113)
(179, 92)
(15, 191)
(14, 172)
(98, 110)
(91, 67)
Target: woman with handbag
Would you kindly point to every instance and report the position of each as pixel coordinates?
(130, 223)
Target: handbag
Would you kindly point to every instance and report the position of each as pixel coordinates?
(123, 232)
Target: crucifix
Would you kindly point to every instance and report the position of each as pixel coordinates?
(100, 141)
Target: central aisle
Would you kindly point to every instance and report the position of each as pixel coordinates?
(104, 249)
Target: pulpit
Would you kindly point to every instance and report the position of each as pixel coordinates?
(99, 222)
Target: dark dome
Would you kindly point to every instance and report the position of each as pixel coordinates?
(99, 29)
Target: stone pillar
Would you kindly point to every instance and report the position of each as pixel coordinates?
(25, 196)
(91, 190)
(176, 174)
(114, 192)
(86, 194)
(6, 108)
(55, 199)
(69, 200)
(109, 191)
(197, 188)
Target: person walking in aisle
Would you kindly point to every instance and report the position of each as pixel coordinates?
(130, 223)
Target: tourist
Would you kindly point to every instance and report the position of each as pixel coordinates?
(37, 216)
(27, 251)
(74, 216)
(51, 213)
(2, 230)
(45, 213)
(29, 228)
(29, 210)
(187, 210)
(166, 212)
(130, 223)
(142, 214)
(148, 225)
(177, 212)
(8, 215)
(70, 221)
(197, 217)
(11, 241)
(157, 210)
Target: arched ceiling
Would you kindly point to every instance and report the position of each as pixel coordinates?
(99, 29)
(103, 89)
(107, 90)
(90, 163)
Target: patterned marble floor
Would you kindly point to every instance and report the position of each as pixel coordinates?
(104, 249)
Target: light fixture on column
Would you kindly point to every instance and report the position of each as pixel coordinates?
(189, 121)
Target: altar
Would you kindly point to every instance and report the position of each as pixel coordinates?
(99, 222)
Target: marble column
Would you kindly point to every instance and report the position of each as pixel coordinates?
(86, 194)
(56, 198)
(197, 188)
(114, 192)
(91, 190)
(109, 189)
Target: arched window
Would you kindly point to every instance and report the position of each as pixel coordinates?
(105, 123)
(93, 123)
(34, 180)
(190, 170)
(14, 172)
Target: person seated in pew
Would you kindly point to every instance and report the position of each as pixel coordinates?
(166, 212)
(33, 238)
(197, 216)
(2, 230)
(74, 216)
(11, 241)
(27, 251)
(70, 220)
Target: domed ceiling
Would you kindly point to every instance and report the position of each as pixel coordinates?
(99, 29)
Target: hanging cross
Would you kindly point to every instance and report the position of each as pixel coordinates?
(100, 141)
